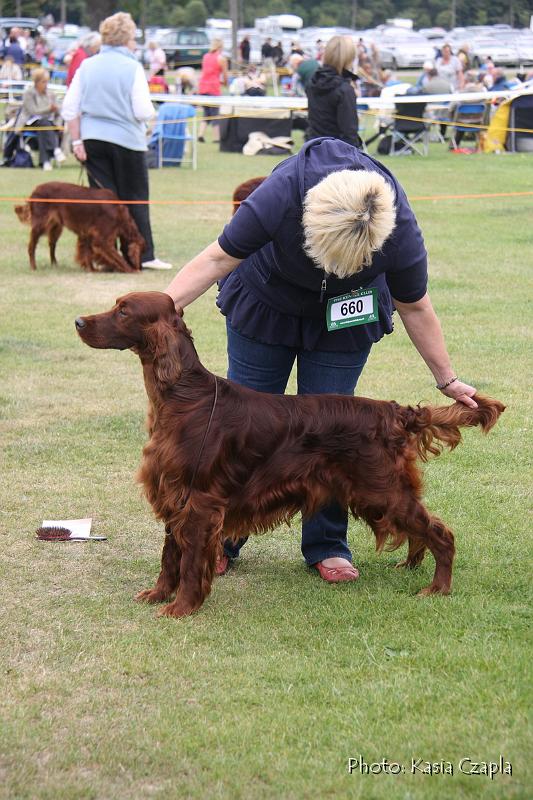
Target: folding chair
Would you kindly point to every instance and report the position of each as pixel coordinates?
(409, 135)
(439, 114)
(171, 135)
(471, 115)
(521, 117)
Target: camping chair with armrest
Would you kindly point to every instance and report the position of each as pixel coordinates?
(171, 135)
(410, 132)
(520, 135)
(473, 118)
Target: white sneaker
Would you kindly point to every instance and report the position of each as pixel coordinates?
(156, 263)
(59, 155)
(47, 166)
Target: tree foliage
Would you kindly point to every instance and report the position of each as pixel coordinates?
(351, 13)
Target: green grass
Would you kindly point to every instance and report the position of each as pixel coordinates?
(279, 679)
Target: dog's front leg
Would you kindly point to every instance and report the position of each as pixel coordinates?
(170, 571)
(199, 538)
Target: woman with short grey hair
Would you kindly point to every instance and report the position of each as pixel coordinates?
(106, 109)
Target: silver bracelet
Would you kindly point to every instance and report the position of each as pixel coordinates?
(445, 385)
(76, 142)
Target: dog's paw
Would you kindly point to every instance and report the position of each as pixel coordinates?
(176, 610)
(151, 596)
(433, 589)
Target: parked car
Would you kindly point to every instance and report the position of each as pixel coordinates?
(184, 47)
(26, 23)
(399, 47)
(500, 53)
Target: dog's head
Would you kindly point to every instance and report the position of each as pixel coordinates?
(147, 323)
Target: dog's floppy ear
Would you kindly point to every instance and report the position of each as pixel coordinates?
(163, 341)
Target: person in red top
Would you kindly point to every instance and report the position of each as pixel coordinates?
(214, 74)
(89, 46)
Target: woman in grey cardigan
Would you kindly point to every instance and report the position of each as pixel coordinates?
(40, 110)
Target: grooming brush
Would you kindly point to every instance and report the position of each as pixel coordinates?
(53, 534)
(58, 534)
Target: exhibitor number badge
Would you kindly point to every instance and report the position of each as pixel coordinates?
(356, 308)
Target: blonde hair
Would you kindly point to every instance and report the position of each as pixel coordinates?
(347, 218)
(39, 74)
(118, 29)
(216, 44)
(339, 53)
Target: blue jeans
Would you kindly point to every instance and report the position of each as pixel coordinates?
(266, 368)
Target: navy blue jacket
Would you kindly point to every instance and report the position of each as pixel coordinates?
(274, 295)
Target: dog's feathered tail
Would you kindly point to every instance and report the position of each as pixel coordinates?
(24, 213)
(436, 427)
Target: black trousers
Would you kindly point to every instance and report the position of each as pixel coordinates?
(125, 172)
(47, 140)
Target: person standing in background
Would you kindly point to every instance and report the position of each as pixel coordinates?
(89, 46)
(106, 108)
(213, 76)
(331, 99)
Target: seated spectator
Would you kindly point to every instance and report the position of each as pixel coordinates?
(157, 60)
(302, 69)
(499, 81)
(369, 76)
(436, 83)
(9, 71)
(296, 47)
(389, 78)
(422, 78)
(12, 48)
(186, 80)
(40, 110)
(254, 82)
(89, 46)
(40, 50)
(450, 68)
(463, 54)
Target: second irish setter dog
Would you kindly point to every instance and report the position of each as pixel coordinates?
(225, 461)
(244, 190)
(97, 226)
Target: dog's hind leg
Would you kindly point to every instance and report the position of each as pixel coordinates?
(36, 233)
(54, 232)
(107, 254)
(199, 537)
(168, 579)
(426, 530)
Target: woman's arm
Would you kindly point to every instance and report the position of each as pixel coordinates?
(198, 275)
(423, 327)
(70, 111)
(223, 63)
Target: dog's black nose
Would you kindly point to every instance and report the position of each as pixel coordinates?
(80, 323)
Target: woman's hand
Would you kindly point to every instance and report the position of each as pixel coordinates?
(79, 151)
(461, 392)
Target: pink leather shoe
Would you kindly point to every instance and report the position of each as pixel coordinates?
(337, 574)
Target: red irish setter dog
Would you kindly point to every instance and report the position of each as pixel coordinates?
(97, 225)
(243, 191)
(225, 461)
